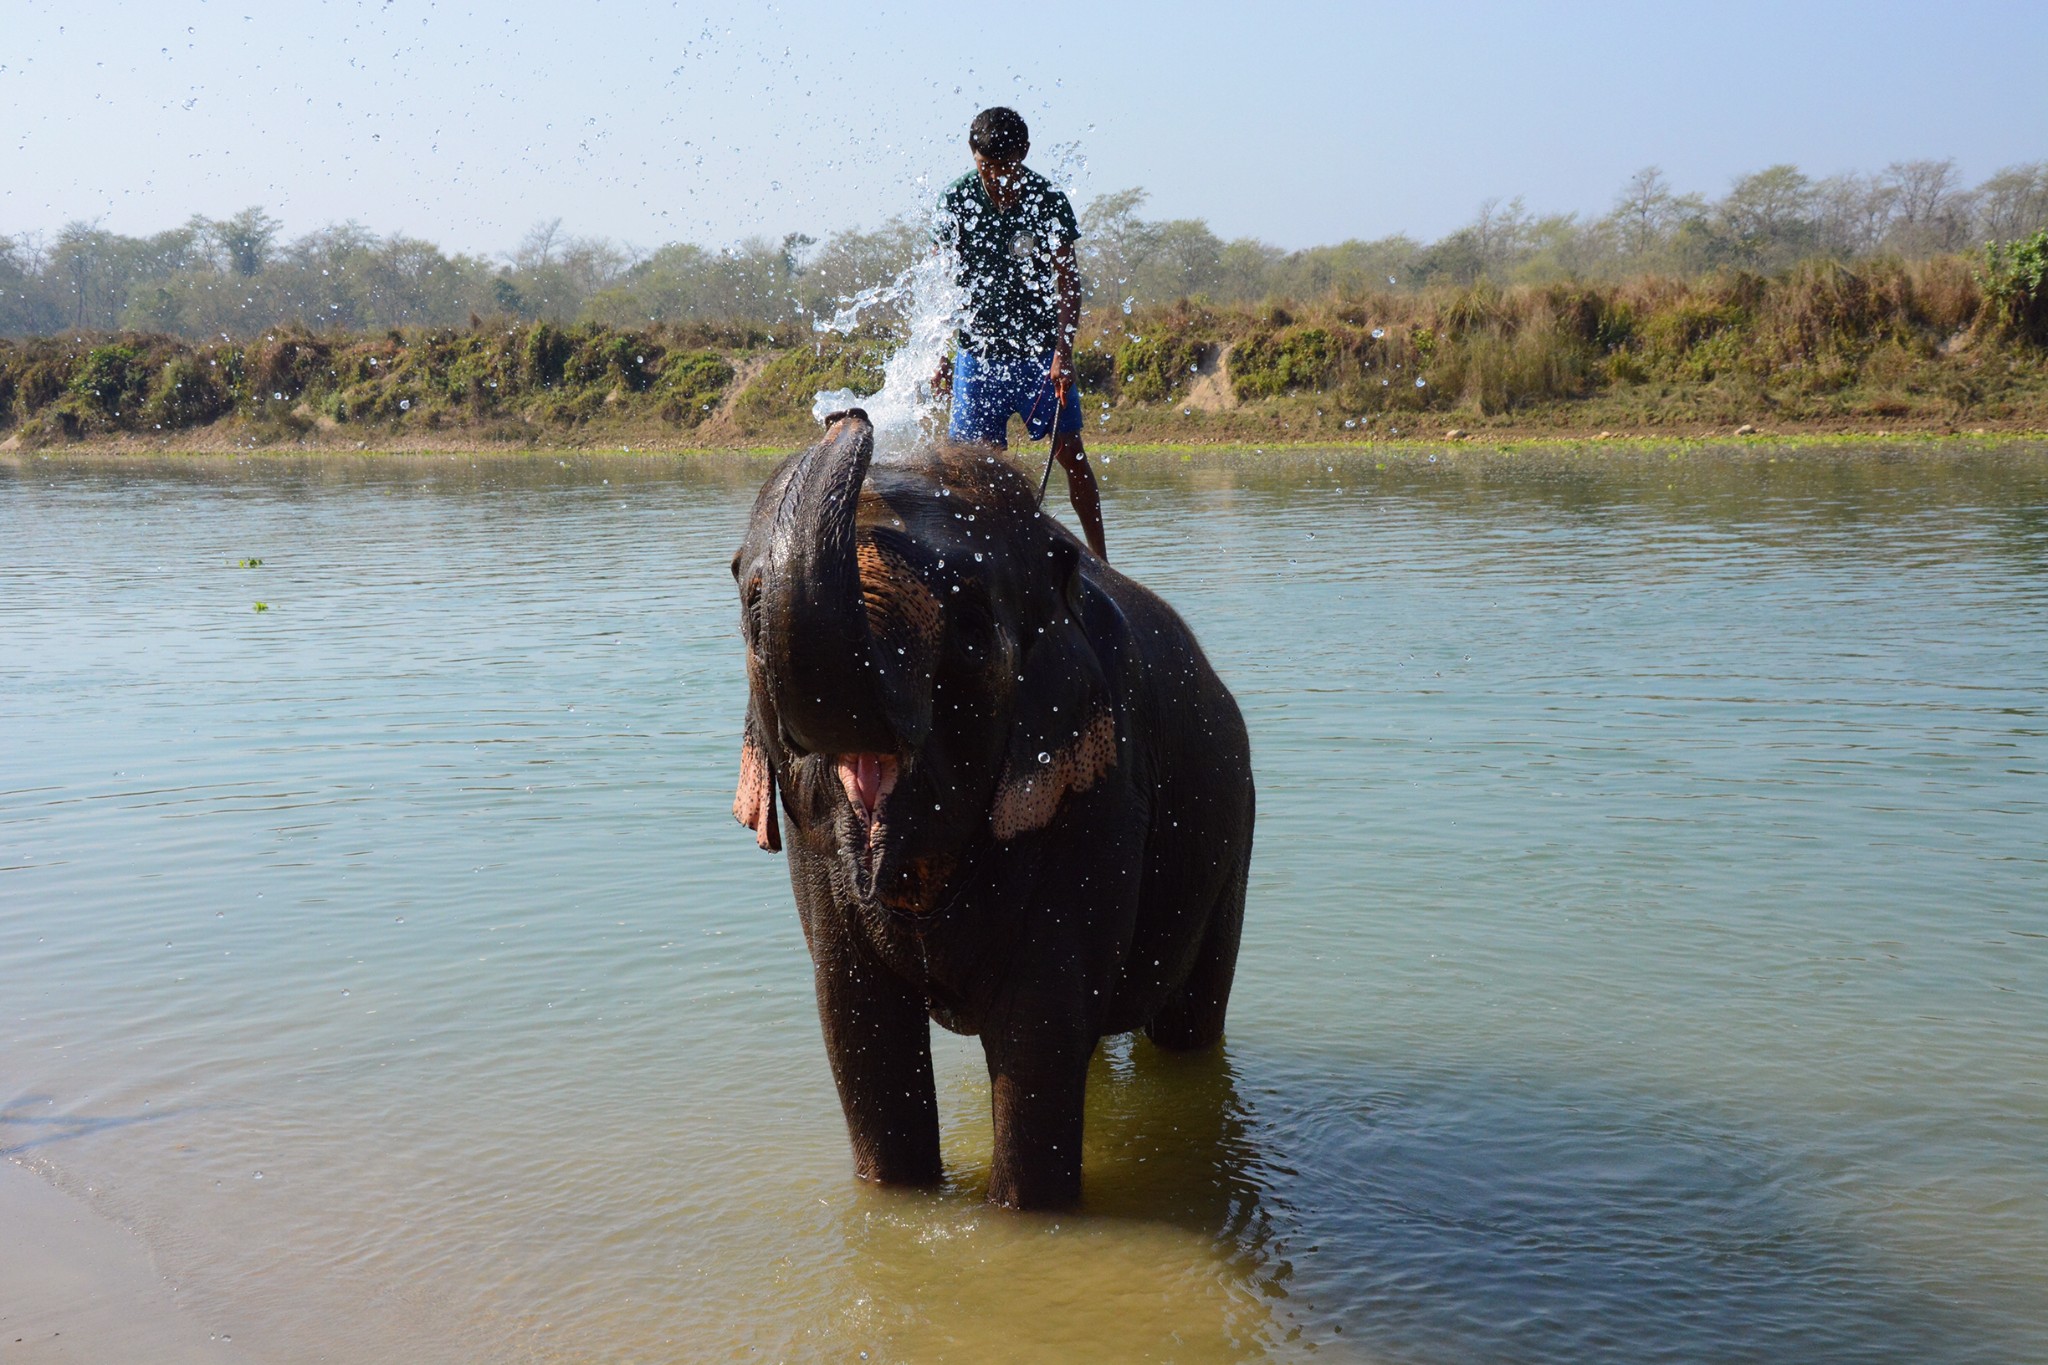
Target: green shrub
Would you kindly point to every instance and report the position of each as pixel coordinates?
(1626, 367)
(546, 351)
(572, 407)
(281, 367)
(1094, 368)
(38, 382)
(1671, 334)
(781, 395)
(108, 388)
(602, 356)
(692, 385)
(2015, 284)
(1269, 364)
(481, 375)
(187, 392)
(1150, 369)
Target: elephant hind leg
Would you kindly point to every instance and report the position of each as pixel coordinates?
(1192, 1017)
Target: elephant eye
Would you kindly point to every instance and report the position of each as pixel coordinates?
(973, 624)
(750, 608)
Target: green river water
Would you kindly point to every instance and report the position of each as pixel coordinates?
(1646, 955)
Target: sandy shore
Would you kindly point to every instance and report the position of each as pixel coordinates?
(75, 1287)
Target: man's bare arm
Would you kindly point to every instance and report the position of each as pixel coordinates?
(1066, 275)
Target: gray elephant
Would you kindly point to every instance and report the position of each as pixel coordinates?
(1019, 798)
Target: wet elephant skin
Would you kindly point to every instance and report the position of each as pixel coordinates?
(1017, 799)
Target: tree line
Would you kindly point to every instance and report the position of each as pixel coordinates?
(233, 277)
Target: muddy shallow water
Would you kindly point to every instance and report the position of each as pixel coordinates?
(1645, 956)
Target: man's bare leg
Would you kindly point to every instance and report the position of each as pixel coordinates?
(1087, 500)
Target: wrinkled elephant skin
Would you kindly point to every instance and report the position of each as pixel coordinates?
(1018, 799)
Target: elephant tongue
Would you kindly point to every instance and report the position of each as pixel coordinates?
(867, 779)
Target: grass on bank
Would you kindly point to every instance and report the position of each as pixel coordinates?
(1944, 343)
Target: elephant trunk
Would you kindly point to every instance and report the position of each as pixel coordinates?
(816, 646)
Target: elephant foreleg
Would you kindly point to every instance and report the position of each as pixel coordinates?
(1039, 1080)
(880, 1048)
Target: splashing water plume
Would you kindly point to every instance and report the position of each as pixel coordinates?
(905, 411)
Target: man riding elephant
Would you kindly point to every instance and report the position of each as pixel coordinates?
(1012, 235)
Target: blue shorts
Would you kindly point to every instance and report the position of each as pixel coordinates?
(986, 392)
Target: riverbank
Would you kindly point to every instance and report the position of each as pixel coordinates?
(1505, 439)
(1879, 350)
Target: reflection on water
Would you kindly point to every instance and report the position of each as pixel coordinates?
(1644, 961)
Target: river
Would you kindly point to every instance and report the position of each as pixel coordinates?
(1646, 954)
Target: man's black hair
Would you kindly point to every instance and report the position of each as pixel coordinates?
(999, 134)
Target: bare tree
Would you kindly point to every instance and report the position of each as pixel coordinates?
(537, 247)
(1932, 214)
(1852, 214)
(1643, 212)
(2013, 203)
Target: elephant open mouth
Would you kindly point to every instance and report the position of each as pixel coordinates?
(867, 780)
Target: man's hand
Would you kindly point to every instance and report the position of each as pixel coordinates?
(942, 377)
(1061, 374)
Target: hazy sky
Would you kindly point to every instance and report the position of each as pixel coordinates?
(649, 121)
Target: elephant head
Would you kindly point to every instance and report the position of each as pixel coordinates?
(920, 682)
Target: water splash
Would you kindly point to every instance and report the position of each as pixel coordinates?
(905, 410)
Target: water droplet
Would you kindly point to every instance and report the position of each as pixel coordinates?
(1044, 757)
(1420, 382)
(1378, 332)
(277, 396)
(1129, 303)
(977, 556)
(404, 403)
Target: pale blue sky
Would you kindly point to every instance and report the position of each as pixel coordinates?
(650, 121)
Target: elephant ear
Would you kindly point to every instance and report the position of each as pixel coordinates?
(1062, 733)
(753, 805)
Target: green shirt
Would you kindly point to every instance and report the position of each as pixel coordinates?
(1005, 262)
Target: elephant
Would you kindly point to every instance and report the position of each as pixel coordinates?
(1019, 798)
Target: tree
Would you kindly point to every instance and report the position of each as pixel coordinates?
(1931, 213)
(1112, 237)
(1643, 213)
(1767, 217)
(2012, 204)
(537, 247)
(244, 240)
